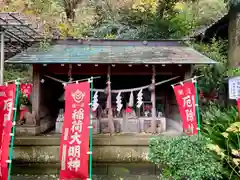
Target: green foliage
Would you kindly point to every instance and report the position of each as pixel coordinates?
(214, 77)
(142, 19)
(233, 2)
(118, 30)
(216, 119)
(221, 126)
(184, 157)
(13, 72)
(207, 12)
(138, 19)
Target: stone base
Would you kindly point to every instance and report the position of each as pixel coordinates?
(27, 130)
(95, 177)
(22, 130)
(106, 148)
(106, 171)
(119, 148)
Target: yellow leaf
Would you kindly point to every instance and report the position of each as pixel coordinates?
(236, 161)
(235, 127)
(216, 149)
(235, 152)
(225, 134)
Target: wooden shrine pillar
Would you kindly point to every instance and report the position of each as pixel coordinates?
(37, 72)
(153, 99)
(2, 57)
(109, 102)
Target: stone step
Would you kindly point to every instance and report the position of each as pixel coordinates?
(99, 169)
(99, 177)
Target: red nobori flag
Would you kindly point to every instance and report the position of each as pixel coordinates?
(186, 99)
(3, 97)
(9, 92)
(238, 104)
(75, 138)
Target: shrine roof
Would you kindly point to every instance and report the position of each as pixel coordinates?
(112, 52)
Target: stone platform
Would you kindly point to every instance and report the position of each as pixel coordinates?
(116, 157)
(106, 148)
(55, 177)
(116, 148)
(101, 171)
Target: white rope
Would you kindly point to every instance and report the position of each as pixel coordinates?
(193, 79)
(138, 88)
(20, 79)
(55, 79)
(120, 90)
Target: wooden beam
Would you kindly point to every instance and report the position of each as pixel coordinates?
(2, 58)
(109, 102)
(37, 71)
(153, 99)
(118, 69)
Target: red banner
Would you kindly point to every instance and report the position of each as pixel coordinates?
(186, 99)
(26, 90)
(75, 138)
(8, 94)
(238, 104)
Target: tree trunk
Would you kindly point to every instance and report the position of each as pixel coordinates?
(234, 39)
(70, 8)
(160, 9)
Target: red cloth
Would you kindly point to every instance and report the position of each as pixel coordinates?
(238, 104)
(10, 92)
(186, 99)
(22, 111)
(129, 110)
(26, 90)
(75, 138)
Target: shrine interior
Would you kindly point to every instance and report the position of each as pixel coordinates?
(52, 101)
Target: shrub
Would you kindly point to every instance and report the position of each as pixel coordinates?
(221, 126)
(184, 158)
(215, 120)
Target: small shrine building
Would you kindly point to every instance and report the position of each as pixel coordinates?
(132, 91)
(132, 82)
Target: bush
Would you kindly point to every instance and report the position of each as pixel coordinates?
(221, 126)
(216, 119)
(228, 149)
(184, 158)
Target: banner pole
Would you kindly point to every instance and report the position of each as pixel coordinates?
(13, 128)
(197, 107)
(91, 129)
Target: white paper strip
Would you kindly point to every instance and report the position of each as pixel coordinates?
(95, 101)
(139, 99)
(119, 102)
